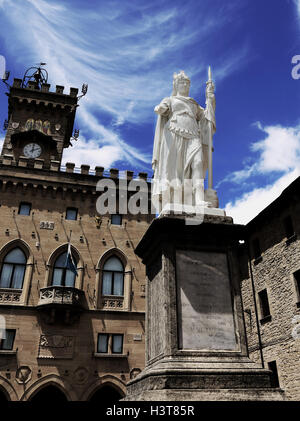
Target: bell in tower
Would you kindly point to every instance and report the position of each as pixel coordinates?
(40, 122)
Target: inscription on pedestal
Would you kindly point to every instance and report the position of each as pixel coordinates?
(205, 311)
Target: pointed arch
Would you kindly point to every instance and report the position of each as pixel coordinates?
(104, 381)
(17, 242)
(114, 251)
(50, 380)
(8, 390)
(19, 297)
(111, 302)
(51, 261)
(49, 393)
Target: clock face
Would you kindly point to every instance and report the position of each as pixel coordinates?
(32, 150)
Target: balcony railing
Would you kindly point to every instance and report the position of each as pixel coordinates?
(61, 296)
(10, 295)
(113, 303)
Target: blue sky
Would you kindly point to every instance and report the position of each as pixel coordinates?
(127, 52)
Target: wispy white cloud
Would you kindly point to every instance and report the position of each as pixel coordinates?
(89, 152)
(297, 4)
(126, 50)
(279, 153)
(105, 146)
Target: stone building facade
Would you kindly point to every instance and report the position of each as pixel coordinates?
(70, 336)
(270, 279)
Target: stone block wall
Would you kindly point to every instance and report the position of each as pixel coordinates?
(273, 271)
(51, 351)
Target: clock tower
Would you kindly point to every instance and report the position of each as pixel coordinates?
(40, 121)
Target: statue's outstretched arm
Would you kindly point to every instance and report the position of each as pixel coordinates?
(164, 107)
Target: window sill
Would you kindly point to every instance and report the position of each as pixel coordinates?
(291, 239)
(100, 355)
(266, 319)
(257, 260)
(7, 352)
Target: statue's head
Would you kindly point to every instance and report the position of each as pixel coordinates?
(181, 84)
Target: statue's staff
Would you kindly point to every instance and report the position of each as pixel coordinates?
(210, 89)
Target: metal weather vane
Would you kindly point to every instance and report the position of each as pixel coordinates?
(37, 74)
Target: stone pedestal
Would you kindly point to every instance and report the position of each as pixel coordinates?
(195, 335)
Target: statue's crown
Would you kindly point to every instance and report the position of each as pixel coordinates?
(180, 76)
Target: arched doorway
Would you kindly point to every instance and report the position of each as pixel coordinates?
(50, 394)
(107, 394)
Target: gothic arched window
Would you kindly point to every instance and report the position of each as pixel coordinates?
(113, 277)
(13, 269)
(62, 276)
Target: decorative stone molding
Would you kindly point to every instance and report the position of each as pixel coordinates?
(81, 375)
(10, 295)
(113, 303)
(100, 355)
(134, 372)
(23, 374)
(61, 295)
(56, 346)
(143, 290)
(48, 225)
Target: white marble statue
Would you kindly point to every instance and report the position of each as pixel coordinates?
(183, 144)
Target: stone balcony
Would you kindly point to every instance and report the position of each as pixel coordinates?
(58, 300)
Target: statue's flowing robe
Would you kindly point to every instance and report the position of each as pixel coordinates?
(181, 141)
